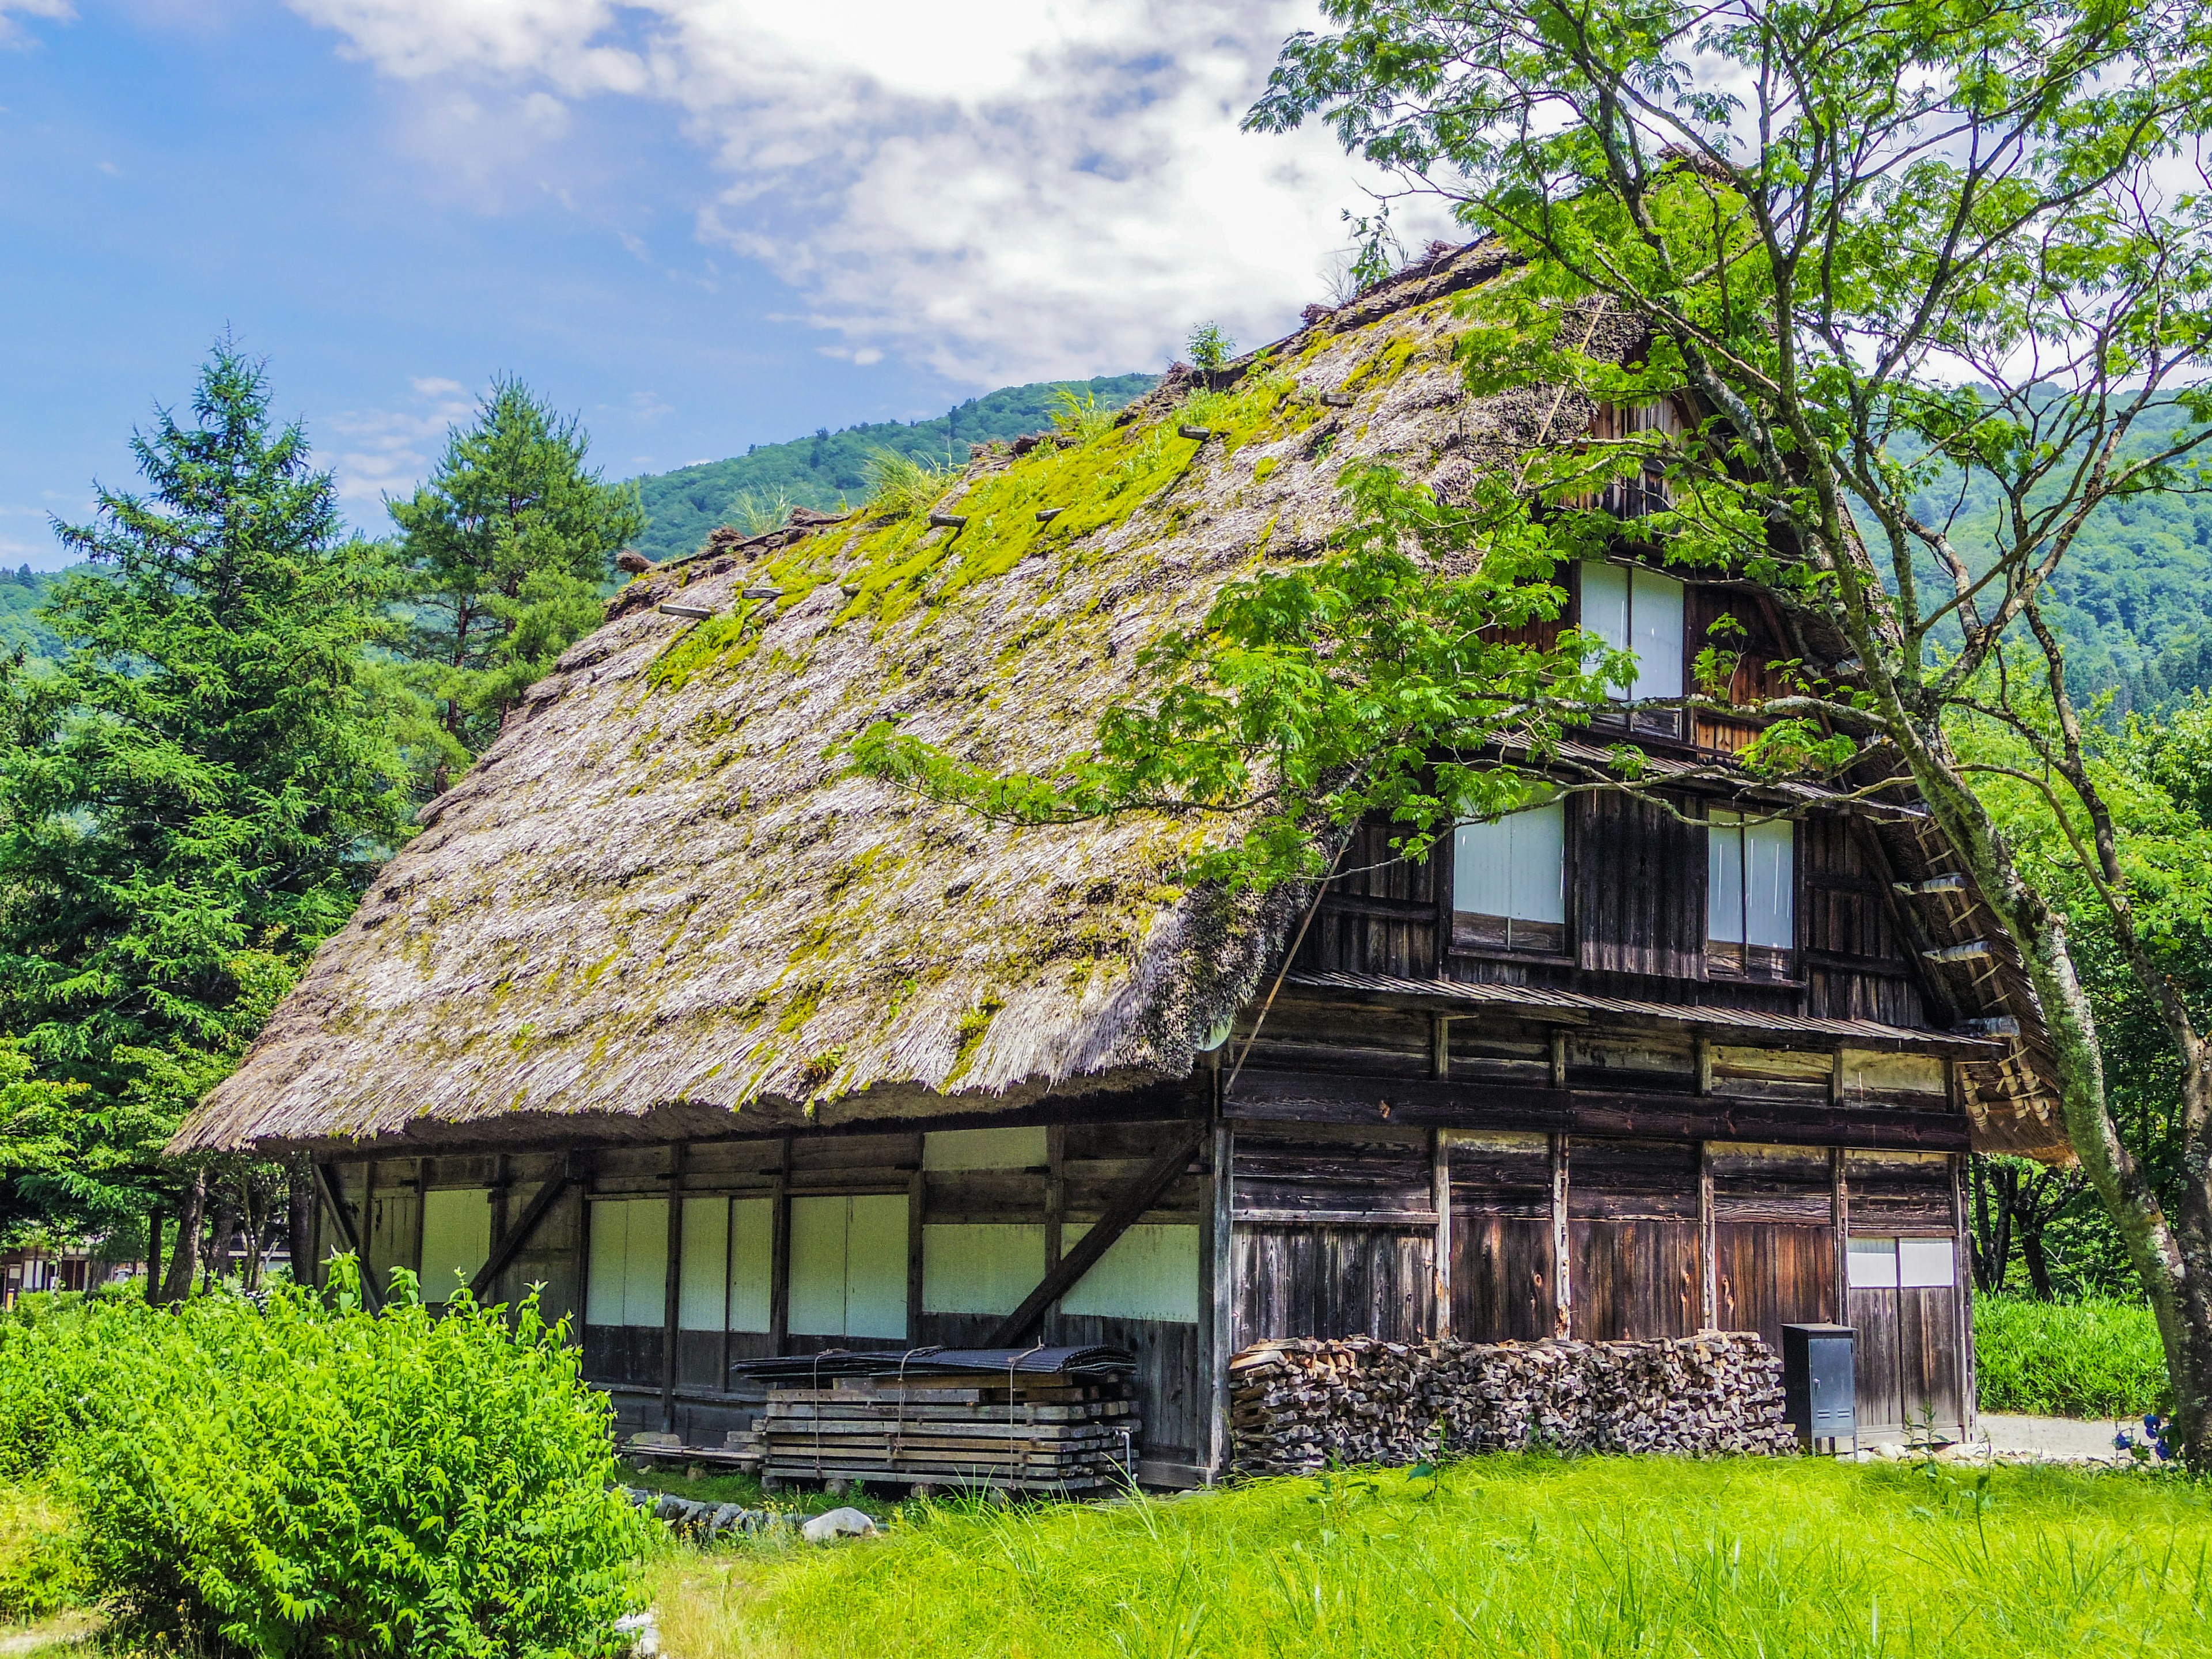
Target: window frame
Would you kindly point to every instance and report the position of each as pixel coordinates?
(1739, 972)
(1656, 726)
(1570, 854)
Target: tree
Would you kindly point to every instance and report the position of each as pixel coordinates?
(508, 544)
(189, 802)
(1899, 254)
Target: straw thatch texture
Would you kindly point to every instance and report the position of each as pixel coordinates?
(655, 892)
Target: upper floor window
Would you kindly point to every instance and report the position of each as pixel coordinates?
(1751, 895)
(1632, 608)
(1509, 883)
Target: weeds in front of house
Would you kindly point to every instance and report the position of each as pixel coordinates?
(1497, 1555)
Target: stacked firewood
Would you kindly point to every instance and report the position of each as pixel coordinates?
(1296, 1407)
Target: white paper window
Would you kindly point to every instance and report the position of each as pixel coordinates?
(456, 1238)
(849, 1260)
(983, 1269)
(752, 1263)
(1632, 608)
(1927, 1263)
(1750, 892)
(1873, 1264)
(1149, 1273)
(702, 1271)
(627, 1283)
(1510, 882)
(984, 1149)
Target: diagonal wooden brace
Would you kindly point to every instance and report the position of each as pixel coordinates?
(510, 1244)
(1158, 1175)
(327, 1187)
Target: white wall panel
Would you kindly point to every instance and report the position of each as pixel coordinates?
(818, 1265)
(752, 1262)
(703, 1271)
(456, 1238)
(984, 1149)
(983, 1269)
(875, 1268)
(1151, 1272)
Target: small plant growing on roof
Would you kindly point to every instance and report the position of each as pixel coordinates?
(1082, 417)
(1210, 346)
(900, 486)
(756, 515)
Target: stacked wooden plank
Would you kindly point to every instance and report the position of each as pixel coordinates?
(957, 1424)
(1296, 1407)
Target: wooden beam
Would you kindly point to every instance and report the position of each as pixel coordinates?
(671, 1287)
(1450, 1103)
(1562, 1293)
(1138, 1197)
(1439, 1045)
(1708, 1243)
(779, 1257)
(1440, 1185)
(333, 1197)
(1702, 1059)
(1839, 1214)
(1218, 1302)
(511, 1242)
(1559, 1059)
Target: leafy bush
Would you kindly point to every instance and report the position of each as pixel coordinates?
(40, 1570)
(313, 1479)
(2094, 1358)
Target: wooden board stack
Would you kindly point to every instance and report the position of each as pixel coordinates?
(954, 1429)
(1297, 1406)
(1031, 1419)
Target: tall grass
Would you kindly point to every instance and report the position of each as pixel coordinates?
(1652, 1557)
(900, 486)
(2094, 1358)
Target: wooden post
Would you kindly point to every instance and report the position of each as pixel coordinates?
(421, 1204)
(1440, 1187)
(1703, 1050)
(1559, 1059)
(1839, 1210)
(1962, 1301)
(917, 1199)
(1055, 1213)
(1439, 1045)
(1708, 1237)
(1836, 1078)
(501, 1175)
(779, 1263)
(1218, 1336)
(1562, 1291)
(672, 1287)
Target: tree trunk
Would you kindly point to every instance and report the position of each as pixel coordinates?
(220, 1237)
(185, 1254)
(1992, 1231)
(2039, 1266)
(301, 1208)
(154, 1220)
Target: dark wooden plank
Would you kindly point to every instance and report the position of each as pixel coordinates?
(1262, 1098)
(1501, 1277)
(1640, 888)
(1633, 1280)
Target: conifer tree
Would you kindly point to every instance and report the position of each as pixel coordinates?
(189, 802)
(507, 545)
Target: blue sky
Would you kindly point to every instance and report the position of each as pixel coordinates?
(700, 223)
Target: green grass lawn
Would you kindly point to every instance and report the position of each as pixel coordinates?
(1507, 1555)
(2087, 1359)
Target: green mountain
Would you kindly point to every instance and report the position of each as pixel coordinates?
(21, 592)
(759, 487)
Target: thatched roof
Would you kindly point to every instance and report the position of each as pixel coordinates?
(656, 901)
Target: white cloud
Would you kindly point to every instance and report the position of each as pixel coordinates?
(13, 34)
(385, 451)
(1000, 188)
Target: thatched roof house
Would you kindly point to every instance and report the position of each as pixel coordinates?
(661, 913)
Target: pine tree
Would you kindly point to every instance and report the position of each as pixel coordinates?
(192, 800)
(508, 545)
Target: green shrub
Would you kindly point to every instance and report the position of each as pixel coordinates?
(2094, 1358)
(40, 1570)
(310, 1480)
(900, 486)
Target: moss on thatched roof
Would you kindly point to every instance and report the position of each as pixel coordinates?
(655, 891)
(658, 900)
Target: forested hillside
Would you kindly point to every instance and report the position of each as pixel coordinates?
(21, 592)
(760, 486)
(2134, 593)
